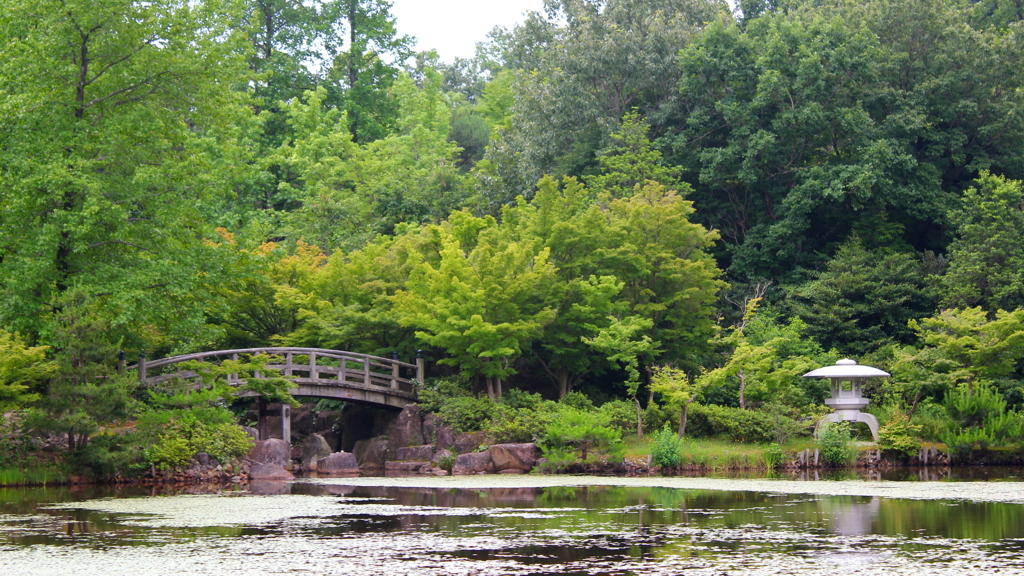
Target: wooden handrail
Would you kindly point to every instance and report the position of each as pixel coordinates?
(335, 354)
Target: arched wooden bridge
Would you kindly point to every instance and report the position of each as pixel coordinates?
(317, 373)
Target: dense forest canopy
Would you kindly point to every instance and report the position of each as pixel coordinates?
(609, 188)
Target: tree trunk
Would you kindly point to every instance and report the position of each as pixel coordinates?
(490, 387)
(639, 419)
(743, 390)
(682, 420)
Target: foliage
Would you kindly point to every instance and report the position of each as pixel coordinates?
(666, 448)
(621, 416)
(986, 258)
(772, 456)
(587, 435)
(467, 413)
(22, 368)
(971, 407)
(836, 444)
(577, 401)
(863, 299)
(734, 423)
(899, 435)
(184, 437)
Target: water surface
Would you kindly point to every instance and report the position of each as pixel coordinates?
(525, 526)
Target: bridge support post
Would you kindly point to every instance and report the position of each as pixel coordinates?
(421, 367)
(286, 422)
(261, 419)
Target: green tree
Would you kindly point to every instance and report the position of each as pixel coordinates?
(863, 299)
(987, 259)
(22, 368)
(480, 301)
(117, 115)
(679, 389)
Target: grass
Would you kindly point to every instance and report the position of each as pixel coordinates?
(35, 476)
(710, 453)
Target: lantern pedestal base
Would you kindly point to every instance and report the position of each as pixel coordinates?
(852, 416)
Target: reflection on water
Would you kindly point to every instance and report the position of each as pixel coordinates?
(323, 528)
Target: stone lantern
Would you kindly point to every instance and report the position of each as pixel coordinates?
(847, 379)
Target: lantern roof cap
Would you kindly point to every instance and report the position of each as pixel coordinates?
(846, 368)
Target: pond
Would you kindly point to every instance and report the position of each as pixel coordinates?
(525, 525)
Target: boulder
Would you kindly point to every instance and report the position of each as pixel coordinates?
(252, 432)
(326, 420)
(338, 464)
(423, 453)
(269, 472)
(314, 447)
(333, 440)
(273, 451)
(470, 441)
(356, 423)
(303, 420)
(513, 456)
(203, 458)
(371, 452)
(431, 423)
(444, 438)
(406, 430)
(473, 463)
(441, 455)
(407, 468)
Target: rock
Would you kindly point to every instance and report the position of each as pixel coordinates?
(273, 451)
(406, 430)
(338, 464)
(407, 468)
(473, 463)
(203, 458)
(333, 440)
(444, 438)
(470, 441)
(302, 420)
(442, 454)
(424, 453)
(325, 421)
(269, 472)
(431, 423)
(371, 452)
(513, 456)
(314, 447)
(252, 432)
(356, 423)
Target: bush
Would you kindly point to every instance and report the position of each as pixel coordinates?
(656, 416)
(578, 401)
(437, 391)
(667, 448)
(933, 420)
(898, 435)
(772, 456)
(621, 415)
(971, 408)
(738, 425)
(184, 437)
(836, 444)
(519, 399)
(467, 413)
(585, 433)
(522, 424)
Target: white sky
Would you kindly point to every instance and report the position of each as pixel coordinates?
(453, 27)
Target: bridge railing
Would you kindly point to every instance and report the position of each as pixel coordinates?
(304, 365)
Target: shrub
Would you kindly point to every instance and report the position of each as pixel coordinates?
(667, 448)
(971, 408)
(961, 441)
(899, 435)
(577, 400)
(516, 398)
(737, 424)
(656, 416)
(772, 456)
(182, 438)
(437, 391)
(621, 415)
(522, 424)
(933, 420)
(585, 433)
(467, 413)
(836, 444)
